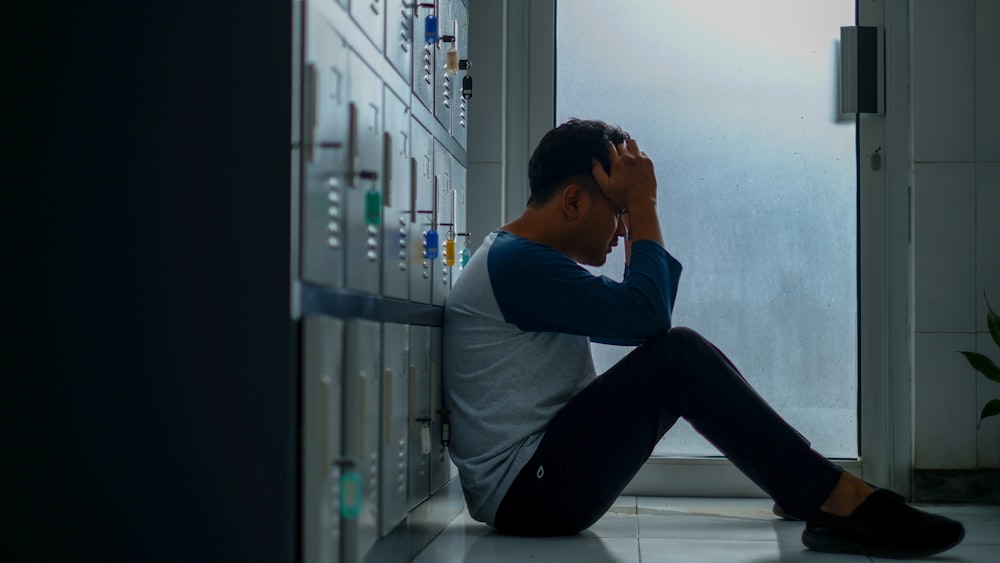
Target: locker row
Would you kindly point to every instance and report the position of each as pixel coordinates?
(374, 432)
(382, 198)
(425, 44)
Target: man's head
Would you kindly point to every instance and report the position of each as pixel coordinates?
(566, 153)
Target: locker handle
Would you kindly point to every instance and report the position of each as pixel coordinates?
(364, 411)
(387, 404)
(309, 110)
(413, 396)
(387, 168)
(325, 459)
(434, 389)
(425, 434)
(437, 188)
(413, 190)
(352, 142)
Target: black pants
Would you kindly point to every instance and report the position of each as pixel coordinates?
(599, 440)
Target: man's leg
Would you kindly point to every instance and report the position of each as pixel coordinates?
(600, 439)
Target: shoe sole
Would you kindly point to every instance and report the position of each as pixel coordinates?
(833, 544)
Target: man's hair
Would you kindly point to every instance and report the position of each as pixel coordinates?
(567, 152)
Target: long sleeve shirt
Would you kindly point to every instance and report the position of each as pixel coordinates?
(517, 330)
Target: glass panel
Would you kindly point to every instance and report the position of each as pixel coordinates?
(736, 103)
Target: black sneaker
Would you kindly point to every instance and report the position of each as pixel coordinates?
(780, 513)
(883, 526)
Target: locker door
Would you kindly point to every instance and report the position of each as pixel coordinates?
(396, 189)
(362, 370)
(395, 417)
(441, 468)
(419, 416)
(458, 179)
(443, 86)
(421, 220)
(399, 37)
(370, 16)
(364, 274)
(322, 381)
(423, 59)
(444, 206)
(325, 129)
(460, 105)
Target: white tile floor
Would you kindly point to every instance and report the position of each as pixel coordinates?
(689, 530)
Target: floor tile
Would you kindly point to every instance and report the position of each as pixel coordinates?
(966, 552)
(753, 508)
(982, 522)
(688, 530)
(708, 519)
(496, 548)
(616, 526)
(662, 550)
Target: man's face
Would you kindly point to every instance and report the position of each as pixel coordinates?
(602, 227)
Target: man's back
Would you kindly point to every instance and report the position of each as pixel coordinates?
(503, 383)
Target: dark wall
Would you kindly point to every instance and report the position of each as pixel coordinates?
(149, 402)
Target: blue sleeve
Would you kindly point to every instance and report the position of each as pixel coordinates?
(540, 289)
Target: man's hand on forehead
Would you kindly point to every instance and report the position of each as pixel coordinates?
(631, 176)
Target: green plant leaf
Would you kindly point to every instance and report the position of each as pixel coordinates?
(983, 365)
(992, 408)
(992, 321)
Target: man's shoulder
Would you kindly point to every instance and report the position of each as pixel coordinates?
(514, 252)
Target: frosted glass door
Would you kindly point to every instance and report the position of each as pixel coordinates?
(736, 103)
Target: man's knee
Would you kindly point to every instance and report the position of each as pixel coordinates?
(680, 343)
(679, 335)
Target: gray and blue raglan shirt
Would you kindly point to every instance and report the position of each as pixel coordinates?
(517, 330)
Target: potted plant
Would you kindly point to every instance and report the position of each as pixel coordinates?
(986, 366)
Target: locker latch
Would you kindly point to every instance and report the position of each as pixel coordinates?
(445, 428)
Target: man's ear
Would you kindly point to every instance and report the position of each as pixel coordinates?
(571, 200)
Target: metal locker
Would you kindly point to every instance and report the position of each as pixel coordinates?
(445, 84)
(364, 191)
(360, 461)
(370, 16)
(322, 379)
(399, 36)
(395, 419)
(396, 189)
(423, 58)
(460, 106)
(325, 131)
(421, 211)
(464, 239)
(442, 469)
(444, 217)
(419, 416)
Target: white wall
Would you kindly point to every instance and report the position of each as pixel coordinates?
(955, 93)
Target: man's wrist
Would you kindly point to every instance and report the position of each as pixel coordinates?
(641, 203)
